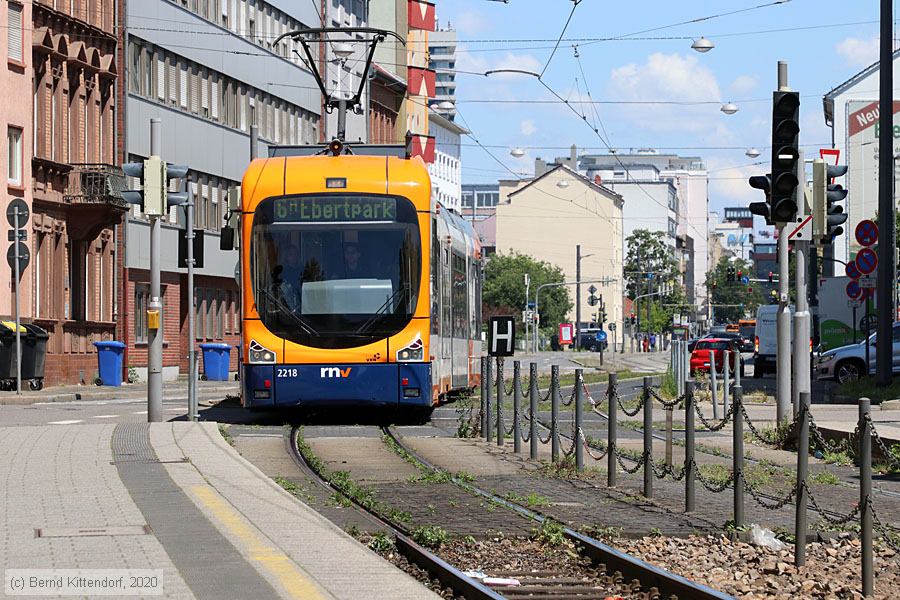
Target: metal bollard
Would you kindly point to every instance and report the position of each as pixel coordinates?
(489, 423)
(648, 438)
(737, 371)
(501, 398)
(726, 380)
(738, 457)
(484, 386)
(579, 398)
(611, 430)
(554, 413)
(865, 497)
(802, 474)
(533, 401)
(517, 402)
(714, 384)
(689, 447)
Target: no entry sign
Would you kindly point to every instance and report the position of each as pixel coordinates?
(866, 232)
(866, 261)
(853, 290)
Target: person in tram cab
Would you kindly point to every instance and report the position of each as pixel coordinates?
(352, 267)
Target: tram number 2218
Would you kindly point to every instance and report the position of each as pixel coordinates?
(286, 372)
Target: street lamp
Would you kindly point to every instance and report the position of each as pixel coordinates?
(562, 184)
(729, 108)
(343, 51)
(752, 152)
(517, 152)
(445, 106)
(702, 45)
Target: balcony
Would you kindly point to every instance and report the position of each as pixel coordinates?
(94, 198)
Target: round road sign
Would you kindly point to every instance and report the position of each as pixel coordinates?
(24, 256)
(17, 204)
(866, 261)
(854, 292)
(866, 232)
(851, 270)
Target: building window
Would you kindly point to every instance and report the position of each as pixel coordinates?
(14, 47)
(14, 155)
(141, 300)
(199, 321)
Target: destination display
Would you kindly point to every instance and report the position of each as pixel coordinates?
(335, 209)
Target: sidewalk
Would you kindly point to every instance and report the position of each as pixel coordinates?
(177, 498)
(71, 393)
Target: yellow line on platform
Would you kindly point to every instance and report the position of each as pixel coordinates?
(296, 583)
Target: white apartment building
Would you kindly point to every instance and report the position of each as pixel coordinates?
(446, 170)
(442, 59)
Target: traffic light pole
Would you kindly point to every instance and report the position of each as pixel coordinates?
(783, 322)
(577, 296)
(886, 252)
(192, 351)
(154, 354)
(801, 326)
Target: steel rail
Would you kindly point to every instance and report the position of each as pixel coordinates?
(630, 567)
(447, 574)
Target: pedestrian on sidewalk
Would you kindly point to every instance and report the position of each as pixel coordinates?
(652, 342)
(646, 343)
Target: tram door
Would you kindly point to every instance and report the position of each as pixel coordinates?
(460, 320)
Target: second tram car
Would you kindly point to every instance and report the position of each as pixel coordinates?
(358, 289)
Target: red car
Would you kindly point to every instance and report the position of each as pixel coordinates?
(718, 346)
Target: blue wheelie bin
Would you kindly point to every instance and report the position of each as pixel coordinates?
(109, 359)
(216, 360)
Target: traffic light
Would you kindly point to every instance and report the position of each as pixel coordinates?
(764, 183)
(740, 276)
(785, 156)
(828, 215)
(154, 198)
(749, 289)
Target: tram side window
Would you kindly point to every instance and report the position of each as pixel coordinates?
(460, 297)
(435, 280)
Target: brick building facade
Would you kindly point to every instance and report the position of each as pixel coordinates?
(77, 210)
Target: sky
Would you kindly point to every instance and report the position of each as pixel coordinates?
(825, 42)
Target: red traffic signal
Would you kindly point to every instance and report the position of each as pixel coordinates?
(771, 277)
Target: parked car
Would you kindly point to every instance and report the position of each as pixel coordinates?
(700, 361)
(742, 341)
(588, 340)
(847, 363)
(691, 343)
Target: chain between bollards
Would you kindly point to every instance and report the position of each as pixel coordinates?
(533, 410)
(501, 397)
(648, 437)
(689, 466)
(737, 466)
(517, 408)
(865, 497)
(554, 413)
(802, 473)
(579, 398)
(611, 431)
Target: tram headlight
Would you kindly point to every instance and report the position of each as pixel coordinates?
(259, 354)
(413, 352)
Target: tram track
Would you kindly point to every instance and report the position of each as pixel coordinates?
(618, 565)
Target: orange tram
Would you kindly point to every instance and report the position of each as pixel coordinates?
(358, 289)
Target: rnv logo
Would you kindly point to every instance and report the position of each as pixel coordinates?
(334, 373)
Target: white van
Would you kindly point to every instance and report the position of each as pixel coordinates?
(766, 339)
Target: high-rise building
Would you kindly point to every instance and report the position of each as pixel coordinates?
(208, 93)
(442, 59)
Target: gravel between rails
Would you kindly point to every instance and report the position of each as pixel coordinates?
(752, 572)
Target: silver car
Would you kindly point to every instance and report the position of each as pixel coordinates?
(847, 363)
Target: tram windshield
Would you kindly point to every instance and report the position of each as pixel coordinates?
(335, 270)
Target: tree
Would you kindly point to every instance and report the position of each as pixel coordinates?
(732, 300)
(504, 288)
(650, 267)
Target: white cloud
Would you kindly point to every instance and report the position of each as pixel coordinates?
(470, 22)
(527, 127)
(728, 182)
(743, 84)
(668, 77)
(858, 52)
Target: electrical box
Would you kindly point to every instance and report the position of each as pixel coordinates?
(155, 186)
(152, 319)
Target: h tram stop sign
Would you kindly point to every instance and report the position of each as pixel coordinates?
(502, 336)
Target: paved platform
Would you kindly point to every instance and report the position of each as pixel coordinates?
(174, 497)
(172, 390)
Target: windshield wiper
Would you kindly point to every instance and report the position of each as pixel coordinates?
(401, 293)
(299, 320)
